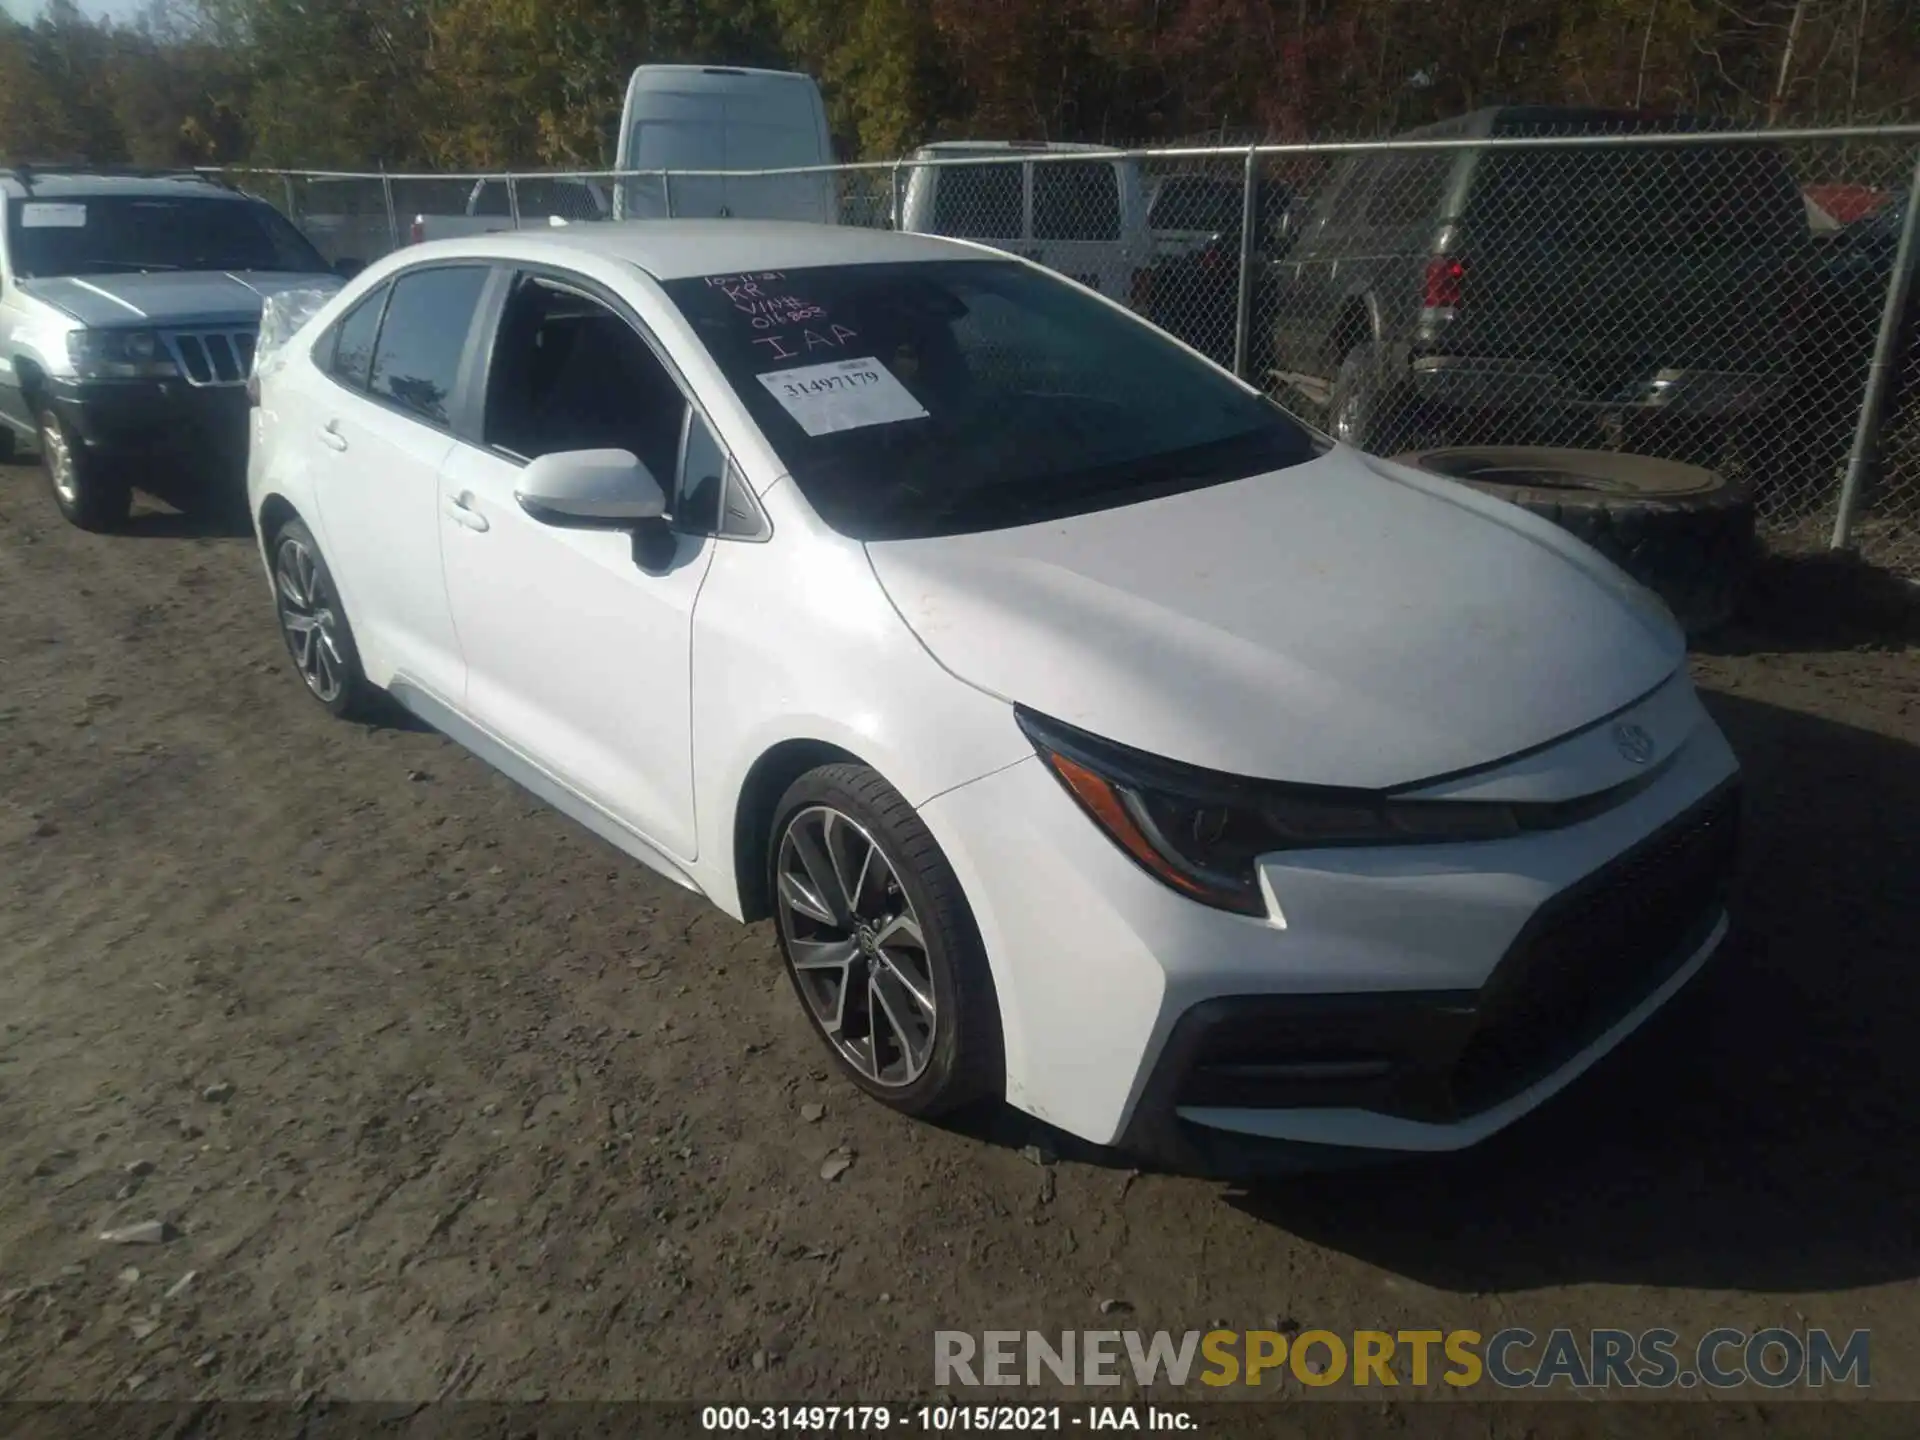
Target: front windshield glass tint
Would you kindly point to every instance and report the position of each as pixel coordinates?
(118, 234)
(943, 397)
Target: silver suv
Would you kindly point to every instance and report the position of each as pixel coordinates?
(129, 305)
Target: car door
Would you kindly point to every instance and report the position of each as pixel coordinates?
(578, 640)
(383, 427)
(1082, 223)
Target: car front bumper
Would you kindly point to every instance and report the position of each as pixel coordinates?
(163, 420)
(1394, 1001)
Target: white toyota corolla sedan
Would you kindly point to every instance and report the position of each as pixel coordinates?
(1094, 735)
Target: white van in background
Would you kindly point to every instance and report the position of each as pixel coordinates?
(1086, 219)
(714, 117)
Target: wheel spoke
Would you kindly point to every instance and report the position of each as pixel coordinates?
(299, 624)
(325, 677)
(859, 891)
(821, 872)
(911, 1027)
(822, 954)
(801, 899)
(303, 648)
(289, 587)
(901, 927)
(910, 981)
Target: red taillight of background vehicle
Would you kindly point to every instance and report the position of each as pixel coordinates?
(1446, 279)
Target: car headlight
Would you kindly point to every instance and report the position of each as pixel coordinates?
(119, 355)
(1203, 833)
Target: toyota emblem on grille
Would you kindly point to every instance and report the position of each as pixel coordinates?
(1634, 743)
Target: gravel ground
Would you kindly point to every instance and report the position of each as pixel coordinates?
(437, 1095)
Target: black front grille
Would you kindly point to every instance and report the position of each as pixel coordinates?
(1595, 951)
(214, 357)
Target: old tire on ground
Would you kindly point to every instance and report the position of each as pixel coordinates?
(1685, 532)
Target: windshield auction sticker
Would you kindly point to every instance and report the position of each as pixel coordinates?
(842, 395)
(47, 215)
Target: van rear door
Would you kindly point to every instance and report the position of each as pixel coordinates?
(715, 119)
(1087, 222)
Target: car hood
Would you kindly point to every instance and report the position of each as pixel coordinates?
(169, 297)
(1346, 622)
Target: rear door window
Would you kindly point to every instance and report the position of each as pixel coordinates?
(416, 364)
(977, 202)
(1408, 189)
(1076, 200)
(1194, 202)
(1670, 199)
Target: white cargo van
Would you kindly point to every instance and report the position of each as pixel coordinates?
(714, 117)
(1086, 218)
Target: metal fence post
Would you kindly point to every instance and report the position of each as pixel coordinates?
(393, 220)
(894, 217)
(1243, 308)
(513, 200)
(666, 191)
(1880, 374)
(293, 205)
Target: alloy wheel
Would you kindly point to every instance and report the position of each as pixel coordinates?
(856, 947)
(309, 620)
(61, 468)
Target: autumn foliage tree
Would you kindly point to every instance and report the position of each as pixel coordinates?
(467, 83)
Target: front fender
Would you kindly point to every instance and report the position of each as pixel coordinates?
(830, 663)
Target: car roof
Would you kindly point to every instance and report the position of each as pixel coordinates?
(71, 186)
(1017, 147)
(679, 249)
(1504, 120)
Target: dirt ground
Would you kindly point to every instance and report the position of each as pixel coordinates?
(439, 1096)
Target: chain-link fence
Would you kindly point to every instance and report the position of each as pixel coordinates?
(1734, 300)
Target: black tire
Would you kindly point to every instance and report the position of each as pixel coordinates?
(1685, 532)
(963, 1061)
(6, 444)
(1372, 411)
(304, 592)
(85, 489)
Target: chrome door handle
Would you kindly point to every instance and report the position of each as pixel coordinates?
(460, 508)
(331, 437)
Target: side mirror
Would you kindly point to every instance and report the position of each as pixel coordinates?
(347, 267)
(590, 487)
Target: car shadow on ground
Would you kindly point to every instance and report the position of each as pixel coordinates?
(1826, 601)
(1756, 1135)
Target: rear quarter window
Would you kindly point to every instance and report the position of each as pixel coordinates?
(347, 354)
(1653, 199)
(1076, 200)
(977, 202)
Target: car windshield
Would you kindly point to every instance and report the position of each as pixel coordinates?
(938, 398)
(103, 234)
